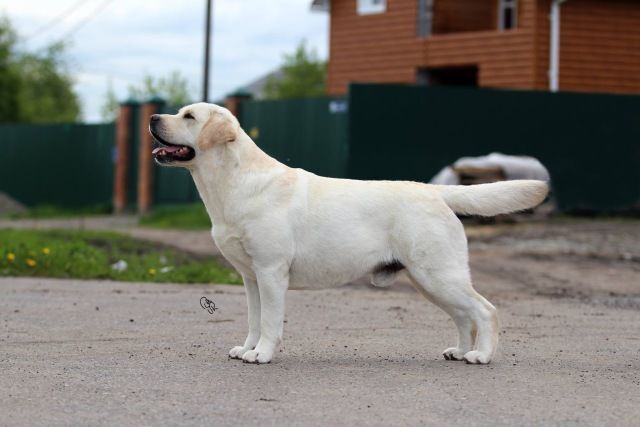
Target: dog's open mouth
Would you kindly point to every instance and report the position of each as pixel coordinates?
(165, 152)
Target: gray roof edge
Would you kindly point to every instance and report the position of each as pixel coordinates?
(320, 5)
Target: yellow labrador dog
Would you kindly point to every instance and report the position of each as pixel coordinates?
(285, 228)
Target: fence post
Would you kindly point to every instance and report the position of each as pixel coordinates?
(145, 161)
(121, 174)
(125, 156)
(233, 101)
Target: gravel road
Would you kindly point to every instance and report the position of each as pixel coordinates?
(568, 295)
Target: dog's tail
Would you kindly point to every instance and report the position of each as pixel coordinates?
(495, 198)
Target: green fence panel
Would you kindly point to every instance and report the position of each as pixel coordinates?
(590, 143)
(309, 133)
(67, 165)
(174, 185)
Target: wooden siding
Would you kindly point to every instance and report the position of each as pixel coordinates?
(380, 48)
(384, 48)
(542, 39)
(504, 58)
(600, 45)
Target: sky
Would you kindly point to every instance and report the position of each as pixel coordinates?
(119, 41)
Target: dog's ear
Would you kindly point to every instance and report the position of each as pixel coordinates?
(219, 129)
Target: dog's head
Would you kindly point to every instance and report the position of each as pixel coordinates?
(183, 137)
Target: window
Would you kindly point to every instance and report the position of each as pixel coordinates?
(448, 76)
(425, 18)
(507, 14)
(368, 7)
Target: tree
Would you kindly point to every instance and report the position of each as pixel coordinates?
(173, 88)
(47, 93)
(35, 87)
(9, 77)
(109, 109)
(303, 74)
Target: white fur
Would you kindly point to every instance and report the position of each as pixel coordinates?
(496, 198)
(285, 228)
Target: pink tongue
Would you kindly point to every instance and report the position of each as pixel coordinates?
(166, 149)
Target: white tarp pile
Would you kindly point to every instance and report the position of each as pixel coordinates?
(513, 167)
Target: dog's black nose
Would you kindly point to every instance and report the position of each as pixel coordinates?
(155, 117)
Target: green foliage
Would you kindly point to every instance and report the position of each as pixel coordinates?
(47, 94)
(109, 109)
(303, 75)
(35, 87)
(9, 77)
(173, 88)
(90, 255)
(185, 217)
(53, 211)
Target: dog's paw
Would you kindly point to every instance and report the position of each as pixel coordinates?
(477, 358)
(237, 352)
(253, 356)
(453, 353)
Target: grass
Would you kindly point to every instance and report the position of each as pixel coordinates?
(52, 211)
(184, 217)
(91, 254)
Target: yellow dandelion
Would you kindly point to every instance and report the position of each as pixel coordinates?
(152, 271)
(30, 262)
(46, 251)
(11, 257)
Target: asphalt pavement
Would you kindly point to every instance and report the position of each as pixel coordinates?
(107, 353)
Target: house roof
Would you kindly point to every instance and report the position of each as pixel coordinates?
(256, 87)
(320, 5)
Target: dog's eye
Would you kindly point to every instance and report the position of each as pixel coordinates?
(189, 116)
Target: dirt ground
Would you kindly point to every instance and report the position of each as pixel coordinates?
(568, 295)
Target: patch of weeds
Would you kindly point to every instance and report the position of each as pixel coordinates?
(52, 211)
(185, 217)
(91, 255)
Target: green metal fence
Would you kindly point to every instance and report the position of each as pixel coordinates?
(590, 143)
(58, 164)
(173, 186)
(310, 133)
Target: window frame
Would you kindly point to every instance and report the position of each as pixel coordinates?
(425, 18)
(503, 6)
(366, 7)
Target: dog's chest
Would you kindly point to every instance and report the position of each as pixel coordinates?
(229, 241)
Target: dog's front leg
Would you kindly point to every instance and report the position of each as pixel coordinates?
(272, 285)
(253, 311)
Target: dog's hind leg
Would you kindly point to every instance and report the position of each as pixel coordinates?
(436, 259)
(474, 316)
